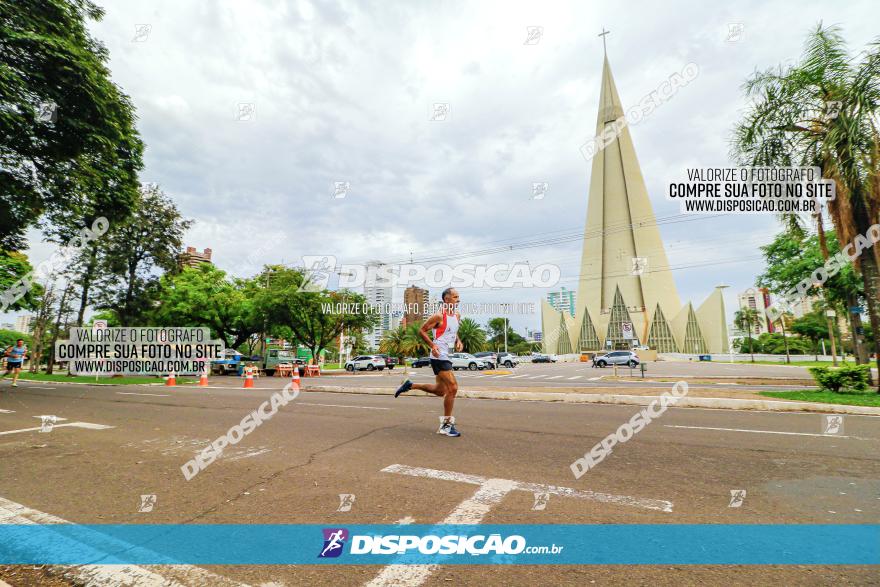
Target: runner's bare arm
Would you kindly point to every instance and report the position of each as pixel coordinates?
(430, 324)
(459, 346)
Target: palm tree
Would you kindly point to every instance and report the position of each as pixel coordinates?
(393, 344)
(473, 338)
(782, 318)
(403, 341)
(743, 319)
(823, 112)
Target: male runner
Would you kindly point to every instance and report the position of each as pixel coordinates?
(14, 358)
(445, 326)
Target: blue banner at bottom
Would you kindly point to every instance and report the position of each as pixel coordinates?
(611, 544)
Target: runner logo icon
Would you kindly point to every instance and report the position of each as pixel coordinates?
(334, 541)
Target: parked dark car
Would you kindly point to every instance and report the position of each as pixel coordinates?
(422, 362)
(390, 362)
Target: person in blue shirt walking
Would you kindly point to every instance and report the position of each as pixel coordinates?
(14, 358)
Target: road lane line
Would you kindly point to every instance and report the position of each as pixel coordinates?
(651, 504)
(87, 425)
(152, 394)
(594, 378)
(556, 377)
(575, 377)
(7, 411)
(341, 406)
(762, 431)
(475, 508)
(518, 376)
(470, 511)
(101, 575)
(248, 455)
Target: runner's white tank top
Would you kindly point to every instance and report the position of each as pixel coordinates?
(445, 335)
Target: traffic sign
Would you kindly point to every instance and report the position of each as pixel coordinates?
(627, 329)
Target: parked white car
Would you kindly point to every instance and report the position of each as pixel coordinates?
(365, 362)
(466, 361)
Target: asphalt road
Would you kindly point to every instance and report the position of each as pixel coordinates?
(293, 468)
(580, 375)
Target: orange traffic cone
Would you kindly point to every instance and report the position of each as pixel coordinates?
(294, 377)
(170, 381)
(248, 378)
(203, 380)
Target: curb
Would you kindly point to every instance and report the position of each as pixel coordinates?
(636, 400)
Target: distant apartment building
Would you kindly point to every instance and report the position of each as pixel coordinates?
(562, 301)
(192, 258)
(378, 292)
(803, 306)
(758, 300)
(24, 324)
(416, 302)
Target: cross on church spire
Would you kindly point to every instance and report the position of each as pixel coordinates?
(602, 34)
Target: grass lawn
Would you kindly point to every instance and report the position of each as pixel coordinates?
(797, 362)
(63, 377)
(868, 398)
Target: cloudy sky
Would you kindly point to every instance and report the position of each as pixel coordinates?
(343, 92)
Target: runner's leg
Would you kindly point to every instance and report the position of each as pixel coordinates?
(435, 388)
(450, 386)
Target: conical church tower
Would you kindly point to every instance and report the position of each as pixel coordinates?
(624, 273)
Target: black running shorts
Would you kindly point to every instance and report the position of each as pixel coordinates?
(440, 365)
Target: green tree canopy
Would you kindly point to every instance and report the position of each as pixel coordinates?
(309, 315)
(204, 296)
(68, 144)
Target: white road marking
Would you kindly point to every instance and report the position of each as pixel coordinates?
(537, 377)
(57, 418)
(151, 394)
(475, 508)
(88, 425)
(7, 411)
(575, 377)
(38, 387)
(341, 406)
(761, 431)
(249, 453)
(113, 575)
(595, 378)
(518, 376)
(556, 377)
(651, 504)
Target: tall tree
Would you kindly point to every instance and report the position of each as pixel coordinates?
(822, 111)
(67, 132)
(204, 296)
(746, 319)
(793, 256)
(13, 267)
(151, 239)
(311, 316)
(41, 325)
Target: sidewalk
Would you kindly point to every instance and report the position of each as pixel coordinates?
(714, 399)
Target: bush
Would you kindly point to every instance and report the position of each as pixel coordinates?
(845, 377)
